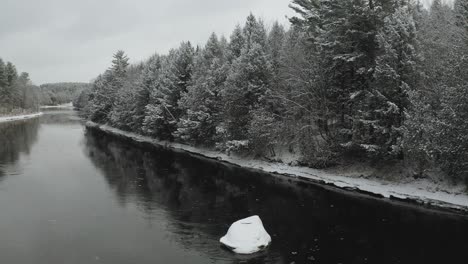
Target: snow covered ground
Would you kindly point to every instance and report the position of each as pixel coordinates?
(18, 117)
(417, 191)
(67, 105)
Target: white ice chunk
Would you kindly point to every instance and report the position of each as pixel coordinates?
(246, 236)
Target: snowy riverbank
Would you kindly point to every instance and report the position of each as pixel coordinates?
(67, 105)
(18, 117)
(421, 191)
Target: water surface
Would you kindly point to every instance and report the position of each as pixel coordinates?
(68, 195)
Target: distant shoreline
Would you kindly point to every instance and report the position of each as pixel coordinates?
(420, 193)
(4, 119)
(67, 105)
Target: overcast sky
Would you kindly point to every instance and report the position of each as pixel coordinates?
(64, 40)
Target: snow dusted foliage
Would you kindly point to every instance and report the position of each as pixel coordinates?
(236, 43)
(201, 103)
(126, 112)
(17, 94)
(378, 128)
(379, 79)
(247, 81)
(274, 46)
(347, 59)
(263, 132)
(100, 99)
(366, 55)
(461, 14)
(435, 129)
(106, 88)
(162, 111)
(143, 86)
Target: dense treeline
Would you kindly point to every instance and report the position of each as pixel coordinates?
(378, 79)
(17, 94)
(60, 93)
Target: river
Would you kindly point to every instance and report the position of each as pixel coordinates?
(72, 195)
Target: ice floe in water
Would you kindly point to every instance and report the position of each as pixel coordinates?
(246, 236)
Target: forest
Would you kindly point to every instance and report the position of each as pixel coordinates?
(373, 80)
(60, 93)
(17, 93)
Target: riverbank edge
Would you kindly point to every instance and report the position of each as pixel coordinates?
(66, 105)
(407, 193)
(4, 119)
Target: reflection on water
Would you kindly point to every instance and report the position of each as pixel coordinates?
(16, 138)
(308, 224)
(59, 116)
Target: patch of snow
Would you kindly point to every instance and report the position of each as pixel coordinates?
(354, 95)
(370, 148)
(246, 236)
(419, 191)
(18, 117)
(67, 105)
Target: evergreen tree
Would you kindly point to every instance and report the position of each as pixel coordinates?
(126, 100)
(305, 115)
(344, 36)
(267, 117)
(162, 112)
(461, 13)
(146, 83)
(11, 74)
(24, 78)
(275, 44)
(201, 103)
(434, 136)
(119, 66)
(247, 82)
(106, 87)
(379, 129)
(16, 93)
(236, 43)
(3, 76)
(4, 98)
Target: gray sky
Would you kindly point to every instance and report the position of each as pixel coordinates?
(63, 40)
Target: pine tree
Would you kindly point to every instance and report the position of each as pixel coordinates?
(267, 116)
(236, 43)
(106, 87)
(275, 44)
(380, 129)
(247, 81)
(201, 103)
(461, 13)
(119, 65)
(11, 74)
(162, 112)
(11, 92)
(144, 85)
(126, 100)
(254, 32)
(3, 76)
(434, 134)
(4, 98)
(337, 30)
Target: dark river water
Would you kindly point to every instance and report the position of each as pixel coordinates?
(71, 195)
